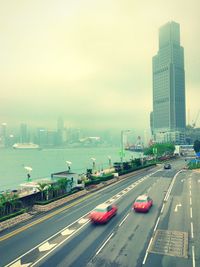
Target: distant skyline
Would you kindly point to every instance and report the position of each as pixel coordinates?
(89, 61)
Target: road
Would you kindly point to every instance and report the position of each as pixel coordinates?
(166, 236)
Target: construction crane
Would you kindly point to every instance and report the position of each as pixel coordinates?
(194, 123)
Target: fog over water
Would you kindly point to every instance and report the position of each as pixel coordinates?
(89, 61)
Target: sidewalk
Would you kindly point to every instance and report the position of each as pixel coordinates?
(38, 209)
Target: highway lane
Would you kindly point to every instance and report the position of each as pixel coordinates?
(82, 249)
(194, 199)
(22, 242)
(177, 234)
(32, 236)
(127, 245)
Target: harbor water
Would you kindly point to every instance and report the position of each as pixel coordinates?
(46, 161)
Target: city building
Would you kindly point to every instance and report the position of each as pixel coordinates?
(3, 134)
(24, 137)
(168, 118)
(60, 131)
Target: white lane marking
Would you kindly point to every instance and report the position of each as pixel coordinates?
(145, 258)
(63, 230)
(111, 200)
(59, 244)
(19, 264)
(67, 231)
(83, 220)
(46, 246)
(193, 257)
(125, 191)
(124, 220)
(49, 238)
(156, 224)
(190, 186)
(149, 189)
(162, 208)
(190, 201)
(104, 244)
(170, 187)
(190, 193)
(192, 230)
(191, 213)
(176, 208)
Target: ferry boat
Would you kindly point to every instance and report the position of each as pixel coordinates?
(25, 146)
(135, 148)
(138, 147)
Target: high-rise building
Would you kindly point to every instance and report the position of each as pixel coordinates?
(3, 134)
(60, 131)
(168, 118)
(24, 133)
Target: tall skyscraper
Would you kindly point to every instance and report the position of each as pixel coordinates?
(60, 131)
(24, 133)
(168, 118)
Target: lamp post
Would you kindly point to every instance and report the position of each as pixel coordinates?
(29, 170)
(109, 162)
(69, 163)
(93, 164)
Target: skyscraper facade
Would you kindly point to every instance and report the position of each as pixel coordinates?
(168, 120)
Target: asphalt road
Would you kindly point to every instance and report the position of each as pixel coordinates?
(129, 239)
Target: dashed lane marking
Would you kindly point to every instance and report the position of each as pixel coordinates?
(46, 246)
(19, 264)
(190, 212)
(67, 231)
(124, 219)
(192, 230)
(193, 257)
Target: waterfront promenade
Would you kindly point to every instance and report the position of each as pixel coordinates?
(38, 209)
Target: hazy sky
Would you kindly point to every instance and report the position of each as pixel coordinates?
(89, 60)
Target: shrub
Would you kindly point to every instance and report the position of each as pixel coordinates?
(12, 215)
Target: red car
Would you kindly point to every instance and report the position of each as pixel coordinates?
(103, 213)
(142, 204)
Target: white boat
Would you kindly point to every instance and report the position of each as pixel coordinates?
(25, 146)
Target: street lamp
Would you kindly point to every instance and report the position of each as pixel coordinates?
(109, 162)
(93, 163)
(69, 163)
(29, 170)
(122, 144)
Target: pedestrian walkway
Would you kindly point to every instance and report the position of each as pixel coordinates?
(38, 209)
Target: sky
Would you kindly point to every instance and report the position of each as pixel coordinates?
(89, 61)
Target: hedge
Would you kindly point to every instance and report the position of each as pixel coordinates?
(13, 215)
(45, 202)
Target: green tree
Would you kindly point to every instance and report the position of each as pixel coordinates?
(62, 182)
(2, 204)
(161, 149)
(42, 187)
(196, 146)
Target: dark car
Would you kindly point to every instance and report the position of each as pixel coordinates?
(167, 166)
